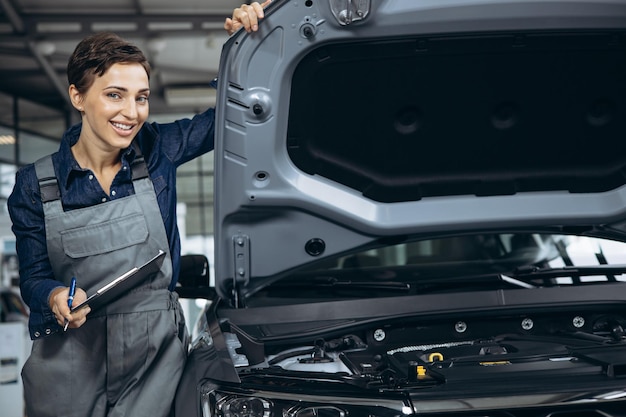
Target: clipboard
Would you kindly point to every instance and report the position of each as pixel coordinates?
(122, 284)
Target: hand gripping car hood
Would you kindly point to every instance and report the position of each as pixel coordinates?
(341, 124)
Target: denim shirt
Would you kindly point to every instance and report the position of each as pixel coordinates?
(165, 147)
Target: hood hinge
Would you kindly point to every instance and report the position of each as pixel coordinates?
(241, 246)
(348, 11)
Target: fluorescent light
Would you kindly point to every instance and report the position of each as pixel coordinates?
(170, 25)
(114, 26)
(52, 27)
(7, 140)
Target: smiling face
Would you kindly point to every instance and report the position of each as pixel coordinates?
(114, 107)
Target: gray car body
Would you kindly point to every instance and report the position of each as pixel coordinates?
(267, 209)
(351, 126)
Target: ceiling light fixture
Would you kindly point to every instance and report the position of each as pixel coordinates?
(45, 48)
(7, 140)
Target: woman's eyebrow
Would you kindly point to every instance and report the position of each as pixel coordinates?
(115, 87)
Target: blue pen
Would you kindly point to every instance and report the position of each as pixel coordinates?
(70, 300)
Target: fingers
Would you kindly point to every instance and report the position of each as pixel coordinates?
(246, 16)
(79, 317)
(58, 304)
(229, 26)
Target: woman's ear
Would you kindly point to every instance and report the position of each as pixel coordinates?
(76, 98)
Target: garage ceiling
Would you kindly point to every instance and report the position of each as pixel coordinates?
(182, 39)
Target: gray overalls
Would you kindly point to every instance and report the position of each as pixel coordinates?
(127, 359)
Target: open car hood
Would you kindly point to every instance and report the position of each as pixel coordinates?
(344, 124)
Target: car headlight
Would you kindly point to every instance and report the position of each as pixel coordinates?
(243, 407)
(219, 402)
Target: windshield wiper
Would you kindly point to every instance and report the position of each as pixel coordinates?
(336, 283)
(575, 272)
(516, 282)
(366, 285)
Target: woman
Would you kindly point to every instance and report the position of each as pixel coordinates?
(103, 203)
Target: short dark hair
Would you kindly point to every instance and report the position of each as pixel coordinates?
(96, 53)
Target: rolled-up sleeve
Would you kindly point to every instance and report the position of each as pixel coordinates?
(36, 278)
(186, 139)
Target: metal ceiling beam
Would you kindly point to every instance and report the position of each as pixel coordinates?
(13, 16)
(43, 62)
(21, 52)
(19, 26)
(71, 26)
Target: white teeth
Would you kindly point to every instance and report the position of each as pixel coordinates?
(121, 126)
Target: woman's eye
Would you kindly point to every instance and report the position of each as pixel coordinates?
(143, 99)
(114, 95)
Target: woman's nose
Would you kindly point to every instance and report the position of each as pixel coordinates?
(130, 109)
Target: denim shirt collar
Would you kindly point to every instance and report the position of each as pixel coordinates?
(68, 166)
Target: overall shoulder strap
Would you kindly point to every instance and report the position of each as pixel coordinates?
(48, 184)
(138, 166)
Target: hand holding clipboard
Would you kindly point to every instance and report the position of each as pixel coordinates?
(122, 283)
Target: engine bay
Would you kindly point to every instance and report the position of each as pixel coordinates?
(427, 353)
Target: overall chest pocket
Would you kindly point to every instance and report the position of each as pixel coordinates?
(105, 236)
